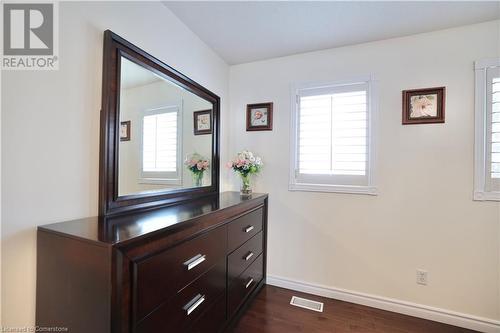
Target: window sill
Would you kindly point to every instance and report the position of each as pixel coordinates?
(159, 181)
(346, 189)
(486, 196)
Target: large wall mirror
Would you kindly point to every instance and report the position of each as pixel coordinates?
(159, 132)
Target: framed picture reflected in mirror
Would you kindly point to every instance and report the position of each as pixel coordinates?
(202, 122)
(125, 130)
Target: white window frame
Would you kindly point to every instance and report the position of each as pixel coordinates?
(146, 177)
(370, 188)
(481, 146)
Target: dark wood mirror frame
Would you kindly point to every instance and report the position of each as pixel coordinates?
(109, 202)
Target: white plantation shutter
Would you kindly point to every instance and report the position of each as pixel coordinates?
(494, 138)
(487, 146)
(160, 146)
(331, 136)
(160, 142)
(492, 182)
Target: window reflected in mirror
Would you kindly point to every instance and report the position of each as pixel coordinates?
(165, 134)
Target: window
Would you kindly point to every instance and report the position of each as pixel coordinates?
(487, 131)
(160, 146)
(332, 137)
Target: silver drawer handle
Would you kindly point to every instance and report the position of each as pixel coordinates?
(193, 304)
(249, 228)
(249, 283)
(195, 261)
(248, 256)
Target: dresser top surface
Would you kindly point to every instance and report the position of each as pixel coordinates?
(123, 228)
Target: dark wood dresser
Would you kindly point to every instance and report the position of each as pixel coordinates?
(192, 267)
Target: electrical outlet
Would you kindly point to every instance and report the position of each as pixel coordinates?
(422, 277)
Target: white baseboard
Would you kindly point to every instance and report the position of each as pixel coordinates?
(412, 309)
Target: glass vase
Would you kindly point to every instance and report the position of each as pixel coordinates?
(197, 179)
(246, 188)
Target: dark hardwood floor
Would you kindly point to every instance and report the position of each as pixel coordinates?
(271, 312)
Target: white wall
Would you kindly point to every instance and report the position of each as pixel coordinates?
(1, 200)
(200, 144)
(151, 96)
(424, 216)
(50, 128)
(132, 101)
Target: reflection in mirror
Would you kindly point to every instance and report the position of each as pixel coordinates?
(165, 141)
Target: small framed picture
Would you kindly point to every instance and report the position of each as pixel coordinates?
(125, 130)
(202, 122)
(260, 117)
(424, 106)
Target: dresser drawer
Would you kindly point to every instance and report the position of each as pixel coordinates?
(240, 259)
(243, 285)
(244, 228)
(212, 320)
(161, 276)
(188, 305)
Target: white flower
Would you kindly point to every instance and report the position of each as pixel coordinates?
(248, 158)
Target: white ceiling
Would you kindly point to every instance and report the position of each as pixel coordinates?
(134, 75)
(248, 31)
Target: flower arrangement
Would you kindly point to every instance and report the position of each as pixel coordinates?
(246, 164)
(197, 164)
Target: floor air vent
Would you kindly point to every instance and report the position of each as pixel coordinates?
(307, 304)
